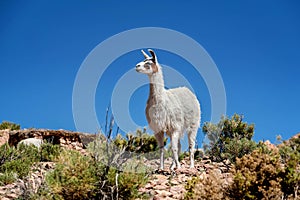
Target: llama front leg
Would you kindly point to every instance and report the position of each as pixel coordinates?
(174, 145)
(160, 140)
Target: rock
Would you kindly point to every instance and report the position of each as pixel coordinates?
(148, 186)
(77, 147)
(218, 172)
(174, 182)
(163, 193)
(271, 146)
(32, 141)
(177, 196)
(160, 177)
(157, 198)
(176, 189)
(160, 187)
(4, 136)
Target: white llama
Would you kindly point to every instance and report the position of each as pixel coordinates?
(171, 111)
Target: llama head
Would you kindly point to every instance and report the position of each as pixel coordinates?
(149, 65)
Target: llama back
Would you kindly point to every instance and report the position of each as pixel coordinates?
(187, 100)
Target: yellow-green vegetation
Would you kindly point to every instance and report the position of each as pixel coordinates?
(9, 125)
(120, 171)
(290, 155)
(140, 142)
(107, 171)
(49, 152)
(74, 176)
(16, 162)
(231, 138)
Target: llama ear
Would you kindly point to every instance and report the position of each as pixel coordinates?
(145, 55)
(154, 58)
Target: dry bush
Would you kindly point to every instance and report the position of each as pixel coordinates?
(208, 186)
(257, 176)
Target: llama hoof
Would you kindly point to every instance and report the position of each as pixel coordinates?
(173, 165)
(174, 168)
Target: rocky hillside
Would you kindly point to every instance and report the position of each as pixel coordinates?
(67, 139)
(162, 184)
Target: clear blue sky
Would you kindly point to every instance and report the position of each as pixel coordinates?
(255, 45)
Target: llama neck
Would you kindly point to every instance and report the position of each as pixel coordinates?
(156, 87)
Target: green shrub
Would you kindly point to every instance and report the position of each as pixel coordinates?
(231, 138)
(290, 154)
(237, 147)
(101, 174)
(17, 161)
(123, 185)
(7, 177)
(140, 142)
(120, 172)
(74, 176)
(7, 154)
(50, 152)
(9, 125)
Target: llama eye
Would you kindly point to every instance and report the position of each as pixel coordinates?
(148, 64)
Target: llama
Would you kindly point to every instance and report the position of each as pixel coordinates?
(170, 111)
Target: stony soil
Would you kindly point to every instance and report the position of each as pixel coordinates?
(167, 184)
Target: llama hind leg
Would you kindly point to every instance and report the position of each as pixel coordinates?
(179, 148)
(160, 140)
(192, 138)
(179, 152)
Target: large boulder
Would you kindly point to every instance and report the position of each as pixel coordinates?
(32, 141)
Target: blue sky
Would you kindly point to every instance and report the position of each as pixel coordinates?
(255, 45)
